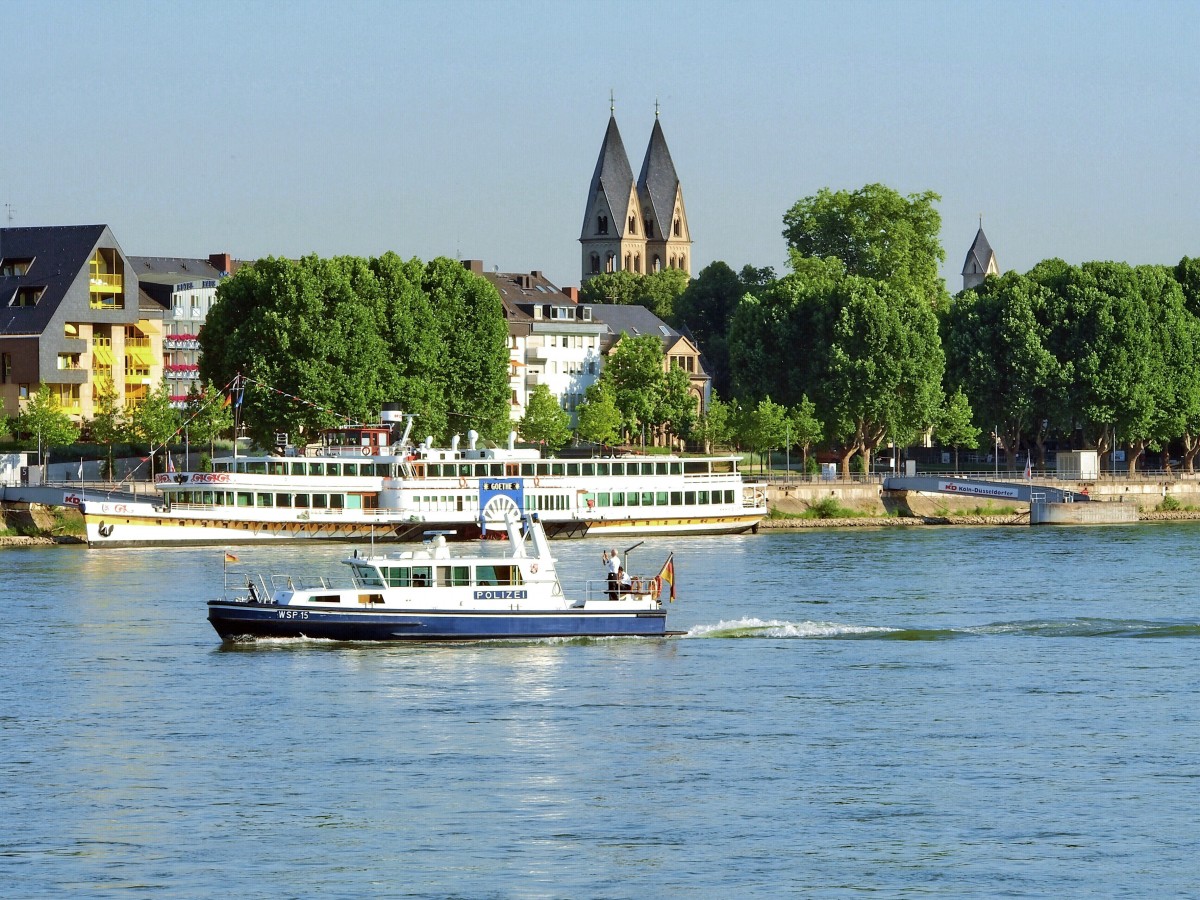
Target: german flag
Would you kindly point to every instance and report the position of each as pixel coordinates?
(667, 575)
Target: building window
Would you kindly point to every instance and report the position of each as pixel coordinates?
(657, 263)
(628, 262)
(602, 225)
(13, 266)
(611, 264)
(649, 228)
(595, 263)
(677, 228)
(637, 263)
(27, 296)
(633, 224)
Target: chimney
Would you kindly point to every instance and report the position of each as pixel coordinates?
(572, 293)
(221, 262)
(536, 273)
(474, 266)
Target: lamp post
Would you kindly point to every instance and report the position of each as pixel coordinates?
(787, 451)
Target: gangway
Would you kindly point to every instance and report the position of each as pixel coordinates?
(1021, 492)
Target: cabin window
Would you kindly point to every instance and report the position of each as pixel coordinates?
(661, 498)
(660, 468)
(368, 577)
(302, 501)
(256, 468)
(602, 468)
(543, 468)
(647, 498)
(333, 469)
(703, 498)
(632, 499)
(283, 500)
(588, 469)
(264, 500)
(384, 470)
(618, 468)
(297, 468)
(602, 499)
(277, 468)
(422, 576)
(497, 576)
(320, 501)
(558, 468)
(370, 598)
(337, 501)
(689, 498)
(327, 598)
(496, 470)
(527, 470)
(676, 468)
(618, 499)
(316, 469)
(696, 467)
(221, 467)
(244, 498)
(572, 468)
(397, 576)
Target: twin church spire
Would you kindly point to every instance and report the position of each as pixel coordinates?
(635, 226)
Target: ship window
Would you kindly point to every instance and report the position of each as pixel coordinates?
(617, 468)
(527, 470)
(602, 468)
(326, 598)
(676, 498)
(460, 576)
(333, 469)
(689, 498)
(496, 470)
(729, 496)
(676, 468)
(245, 499)
(558, 468)
(337, 501)
(618, 499)
(369, 577)
(588, 468)
(631, 499)
(396, 576)
(297, 468)
(264, 500)
(661, 498)
(435, 471)
(660, 468)
(602, 499)
(256, 468)
(302, 501)
(283, 499)
(572, 468)
(320, 501)
(647, 498)
(277, 468)
(422, 576)
(696, 467)
(703, 498)
(315, 469)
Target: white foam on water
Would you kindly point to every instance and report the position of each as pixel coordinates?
(775, 628)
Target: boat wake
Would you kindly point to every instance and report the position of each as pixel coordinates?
(1057, 628)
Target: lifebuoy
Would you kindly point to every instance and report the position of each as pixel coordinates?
(462, 482)
(537, 482)
(656, 587)
(366, 451)
(533, 568)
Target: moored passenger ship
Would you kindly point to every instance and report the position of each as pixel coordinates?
(369, 482)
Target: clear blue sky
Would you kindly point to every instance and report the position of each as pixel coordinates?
(472, 128)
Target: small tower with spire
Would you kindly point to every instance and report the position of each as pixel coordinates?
(980, 262)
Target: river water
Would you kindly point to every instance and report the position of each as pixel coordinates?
(955, 712)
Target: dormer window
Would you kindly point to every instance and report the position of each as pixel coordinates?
(13, 266)
(27, 296)
(602, 225)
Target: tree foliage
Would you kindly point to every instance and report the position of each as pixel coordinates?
(347, 334)
(876, 232)
(657, 291)
(599, 419)
(634, 373)
(44, 423)
(545, 422)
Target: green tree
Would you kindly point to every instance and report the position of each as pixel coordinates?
(344, 335)
(954, 426)
(706, 309)
(634, 372)
(206, 415)
(155, 421)
(804, 428)
(714, 426)
(997, 343)
(107, 425)
(676, 412)
(545, 422)
(45, 424)
(765, 428)
(599, 419)
(876, 233)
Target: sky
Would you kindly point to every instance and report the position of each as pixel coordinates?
(471, 129)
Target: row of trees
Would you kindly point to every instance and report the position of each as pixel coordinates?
(154, 421)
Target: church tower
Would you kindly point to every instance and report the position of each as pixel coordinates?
(612, 236)
(980, 263)
(668, 241)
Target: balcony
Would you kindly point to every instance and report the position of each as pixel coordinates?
(533, 379)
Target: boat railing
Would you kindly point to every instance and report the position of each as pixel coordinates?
(640, 587)
(301, 513)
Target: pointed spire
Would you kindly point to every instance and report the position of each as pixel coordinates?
(613, 177)
(658, 182)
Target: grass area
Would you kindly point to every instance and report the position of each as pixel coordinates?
(826, 508)
(68, 522)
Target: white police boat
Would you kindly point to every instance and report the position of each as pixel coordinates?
(430, 595)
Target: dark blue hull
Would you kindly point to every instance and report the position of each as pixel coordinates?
(240, 620)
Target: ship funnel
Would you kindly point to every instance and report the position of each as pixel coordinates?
(472, 438)
(428, 441)
(512, 440)
(454, 443)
